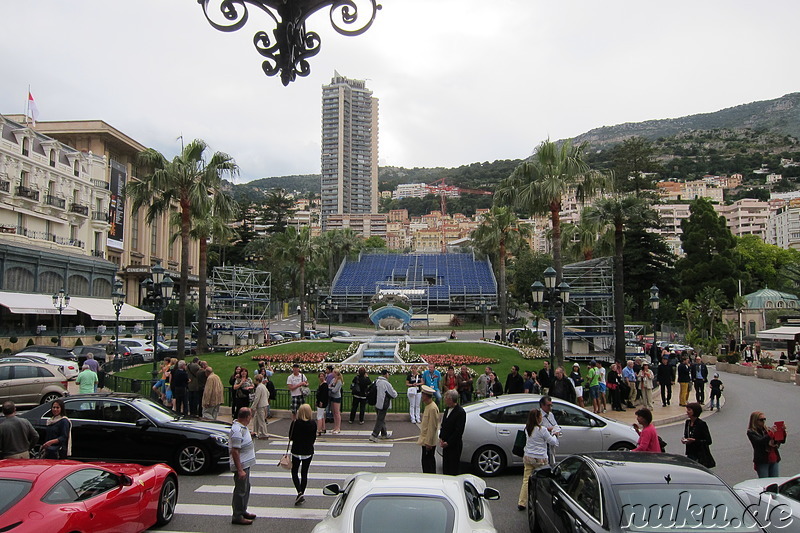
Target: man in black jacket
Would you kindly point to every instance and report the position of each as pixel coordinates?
(700, 378)
(665, 380)
(545, 378)
(514, 382)
(684, 379)
(450, 435)
(562, 387)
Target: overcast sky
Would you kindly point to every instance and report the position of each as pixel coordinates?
(459, 81)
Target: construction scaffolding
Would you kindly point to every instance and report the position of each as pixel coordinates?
(240, 304)
(589, 315)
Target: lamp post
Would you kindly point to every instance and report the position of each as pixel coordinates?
(654, 301)
(555, 297)
(118, 299)
(326, 306)
(60, 302)
(482, 308)
(156, 294)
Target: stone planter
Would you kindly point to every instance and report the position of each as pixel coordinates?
(709, 359)
(765, 373)
(782, 377)
(722, 367)
(745, 370)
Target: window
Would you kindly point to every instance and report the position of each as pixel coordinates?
(119, 412)
(12, 491)
(26, 146)
(135, 233)
(5, 372)
(44, 373)
(154, 238)
(474, 502)
(586, 493)
(752, 327)
(517, 414)
(390, 514)
(25, 372)
(565, 471)
(52, 158)
(82, 485)
(76, 169)
(83, 410)
(567, 415)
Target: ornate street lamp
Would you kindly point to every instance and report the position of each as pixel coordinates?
(60, 302)
(156, 294)
(118, 299)
(555, 297)
(287, 49)
(482, 307)
(326, 306)
(654, 301)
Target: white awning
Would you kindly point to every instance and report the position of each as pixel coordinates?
(784, 333)
(103, 310)
(21, 303)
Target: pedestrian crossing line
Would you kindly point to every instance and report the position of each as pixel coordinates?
(333, 453)
(338, 464)
(346, 444)
(350, 433)
(262, 491)
(298, 513)
(288, 475)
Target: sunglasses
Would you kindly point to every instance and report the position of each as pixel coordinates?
(762, 419)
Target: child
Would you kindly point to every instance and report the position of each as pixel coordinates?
(716, 391)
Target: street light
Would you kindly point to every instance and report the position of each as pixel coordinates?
(556, 298)
(326, 306)
(118, 299)
(654, 301)
(60, 302)
(156, 294)
(482, 307)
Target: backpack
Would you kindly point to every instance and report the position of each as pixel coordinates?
(372, 393)
(355, 387)
(271, 388)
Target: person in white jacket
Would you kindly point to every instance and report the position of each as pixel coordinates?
(385, 394)
(539, 438)
(259, 407)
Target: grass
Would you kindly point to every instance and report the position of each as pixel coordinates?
(224, 366)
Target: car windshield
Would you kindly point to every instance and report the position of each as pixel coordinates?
(390, 514)
(681, 508)
(12, 491)
(156, 412)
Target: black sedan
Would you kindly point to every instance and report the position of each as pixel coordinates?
(131, 429)
(633, 492)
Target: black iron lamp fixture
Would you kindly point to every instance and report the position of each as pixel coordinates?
(156, 295)
(60, 302)
(654, 302)
(118, 300)
(287, 50)
(483, 308)
(555, 297)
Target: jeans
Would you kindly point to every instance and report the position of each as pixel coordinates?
(767, 469)
(358, 403)
(414, 399)
(380, 422)
(666, 393)
(241, 494)
(465, 397)
(428, 460)
(301, 480)
(716, 395)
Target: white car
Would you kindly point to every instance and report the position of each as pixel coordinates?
(399, 503)
(139, 346)
(772, 493)
(68, 368)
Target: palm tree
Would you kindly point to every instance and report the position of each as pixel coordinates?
(500, 230)
(188, 181)
(299, 249)
(616, 212)
(335, 245)
(582, 241)
(689, 311)
(539, 186)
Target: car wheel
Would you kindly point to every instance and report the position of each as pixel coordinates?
(167, 501)
(192, 459)
(533, 520)
(489, 461)
(50, 396)
(621, 447)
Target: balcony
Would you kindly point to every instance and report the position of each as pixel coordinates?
(99, 253)
(54, 201)
(46, 236)
(80, 209)
(100, 216)
(5, 186)
(101, 184)
(26, 192)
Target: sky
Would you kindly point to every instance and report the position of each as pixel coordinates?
(459, 81)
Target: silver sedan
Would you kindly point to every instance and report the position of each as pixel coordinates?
(492, 426)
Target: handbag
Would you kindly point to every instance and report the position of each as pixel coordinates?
(305, 390)
(285, 461)
(519, 443)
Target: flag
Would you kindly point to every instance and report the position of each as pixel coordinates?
(33, 111)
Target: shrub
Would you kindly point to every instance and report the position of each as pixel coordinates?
(54, 340)
(455, 321)
(733, 357)
(98, 337)
(128, 335)
(79, 342)
(7, 350)
(30, 342)
(13, 340)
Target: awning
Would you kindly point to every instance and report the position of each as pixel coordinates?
(21, 303)
(103, 310)
(784, 333)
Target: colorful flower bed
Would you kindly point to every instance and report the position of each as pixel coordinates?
(458, 360)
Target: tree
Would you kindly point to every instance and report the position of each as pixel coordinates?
(299, 249)
(616, 212)
(647, 260)
(374, 242)
(539, 185)
(581, 241)
(277, 210)
(766, 263)
(632, 159)
(335, 245)
(499, 229)
(688, 310)
(188, 181)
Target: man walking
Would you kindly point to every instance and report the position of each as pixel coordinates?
(17, 435)
(451, 434)
(665, 380)
(212, 395)
(242, 457)
(427, 434)
(385, 394)
(86, 380)
(700, 377)
(684, 378)
(562, 387)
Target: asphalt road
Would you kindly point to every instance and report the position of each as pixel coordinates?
(204, 502)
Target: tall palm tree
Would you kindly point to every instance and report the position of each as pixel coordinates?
(500, 230)
(616, 212)
(688, 309)
(539, 186)
(298, 248)
(584, 240)
(188, 181)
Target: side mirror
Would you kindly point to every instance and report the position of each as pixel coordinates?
(143, 423)
(491, 494)
(331, 490)
(125, 480)
(543, 471)
(772, 488)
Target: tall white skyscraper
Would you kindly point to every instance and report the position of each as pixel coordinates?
(349, 148)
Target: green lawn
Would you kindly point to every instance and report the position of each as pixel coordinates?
(224, 366)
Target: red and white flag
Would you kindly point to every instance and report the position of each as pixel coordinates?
(33, 111)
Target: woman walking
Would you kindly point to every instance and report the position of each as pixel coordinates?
(648, 437)
(361, 383)
(414, 382)
(259, 407)
(697, 437)
(765, 448)
(58, 433)
(242, 388)
(646, 384)
(303, 433)
(323, 397)
(335, 392)
(538, 438)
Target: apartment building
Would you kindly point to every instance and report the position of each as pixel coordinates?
(746, 217)
(783, 228)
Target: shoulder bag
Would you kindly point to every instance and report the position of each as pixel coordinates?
(519, 443)
(285, 461)
(305, 390)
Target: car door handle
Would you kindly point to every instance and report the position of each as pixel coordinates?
(503, 432)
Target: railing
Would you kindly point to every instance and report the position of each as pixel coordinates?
(100, 216)
(5, 186)
(46, 236)
(80, 209)
(26, 192)
(55, 201)
(98, 253)
(102, 184)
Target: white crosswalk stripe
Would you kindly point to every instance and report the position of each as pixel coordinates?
(334, 453)
(288, 475)
(335, 464)
(263, 491)
(298, 513)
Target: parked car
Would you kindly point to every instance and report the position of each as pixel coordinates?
(165, 351)
(492, 425)
(68, 496)
(139, 346)
(129, 428)
(68, 368)
(378, 502)
(62, 352)
(98, 350)
(27, 383)
(275, 337)
(289, 334)
(341, 333)
(190, 347)
(322, 335)
(769, 493)
(614, 492)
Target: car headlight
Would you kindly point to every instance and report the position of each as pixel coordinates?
(222, 440)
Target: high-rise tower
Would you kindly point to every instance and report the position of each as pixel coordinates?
(349, 148)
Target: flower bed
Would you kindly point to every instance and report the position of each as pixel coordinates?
(300, 357)
(458, 360)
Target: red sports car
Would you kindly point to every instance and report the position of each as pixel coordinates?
(68, 496)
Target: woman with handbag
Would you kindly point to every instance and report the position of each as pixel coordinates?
(765, 448)
(697, 437)
(58, 433)
(537, 440)
(303, 434)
